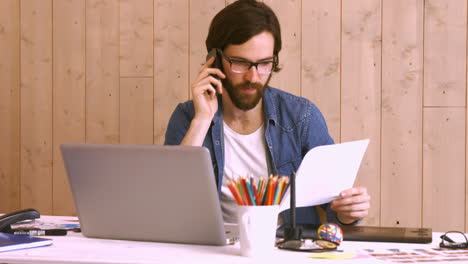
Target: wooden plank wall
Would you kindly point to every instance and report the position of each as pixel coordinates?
(402, 112)
(112, 71)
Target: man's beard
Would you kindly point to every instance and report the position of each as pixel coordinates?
(242, 100)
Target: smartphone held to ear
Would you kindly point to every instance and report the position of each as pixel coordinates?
(217, 62)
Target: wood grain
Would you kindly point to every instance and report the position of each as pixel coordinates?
(444, 168)
(102, 71)
(36, 105)
(171, 44)
(321, 59)
(361, 90)
(136, 110)
(402, 65)
(289, 14)
(136, 38)
(445, 53)
(9, 106)
(68, 93)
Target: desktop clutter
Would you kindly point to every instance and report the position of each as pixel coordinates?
(257, 219)
(257, 215)
(20, 230)
(24, 229)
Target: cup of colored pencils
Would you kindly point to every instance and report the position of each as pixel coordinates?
(257, 215)
(262, 191)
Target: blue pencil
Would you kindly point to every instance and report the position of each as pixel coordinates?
(251, 193)
(277, 191)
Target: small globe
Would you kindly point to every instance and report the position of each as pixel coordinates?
(329, 235)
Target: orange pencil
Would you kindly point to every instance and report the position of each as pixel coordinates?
(235, 193)
(271, 190)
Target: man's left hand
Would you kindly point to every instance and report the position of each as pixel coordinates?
(352, 205)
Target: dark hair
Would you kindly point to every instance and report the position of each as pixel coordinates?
(240, 21)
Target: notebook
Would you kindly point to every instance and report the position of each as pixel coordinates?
(10, 242)
(374, 233)
(146, 193)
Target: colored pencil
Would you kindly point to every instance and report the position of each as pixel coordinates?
(251, 192)
(285, 187)
(264, 191)
(271, 191)
(241, 192)
(235, 192)
(279, 190)
(261, 190)
(245, 190)
(257, 196)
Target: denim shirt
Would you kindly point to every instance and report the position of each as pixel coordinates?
(293, 126)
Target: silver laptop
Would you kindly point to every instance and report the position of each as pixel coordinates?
(146, 192)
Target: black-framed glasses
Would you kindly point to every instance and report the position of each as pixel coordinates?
(243, 66)
(452, 239)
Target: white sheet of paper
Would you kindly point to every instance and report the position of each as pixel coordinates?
(325, 171)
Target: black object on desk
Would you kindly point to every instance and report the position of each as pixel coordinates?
(448, 242)
(38, 232)
(8, 219)
(372, 233)
(27, 214)
(292, 233)
(13, 242)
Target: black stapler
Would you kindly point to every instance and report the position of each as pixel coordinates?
(8, 219)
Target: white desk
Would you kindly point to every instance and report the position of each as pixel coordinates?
(74, 248)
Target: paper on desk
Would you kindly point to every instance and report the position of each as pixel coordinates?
(325, 171)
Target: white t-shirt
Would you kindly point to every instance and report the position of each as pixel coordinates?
(244, 155)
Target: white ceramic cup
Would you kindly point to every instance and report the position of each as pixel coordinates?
(257, 229)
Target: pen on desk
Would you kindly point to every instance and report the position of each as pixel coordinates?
(39, 232)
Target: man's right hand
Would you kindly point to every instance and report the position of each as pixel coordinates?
(205, 102)
(204, 91)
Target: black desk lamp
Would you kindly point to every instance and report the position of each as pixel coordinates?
(292, 234)
(293, 239)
